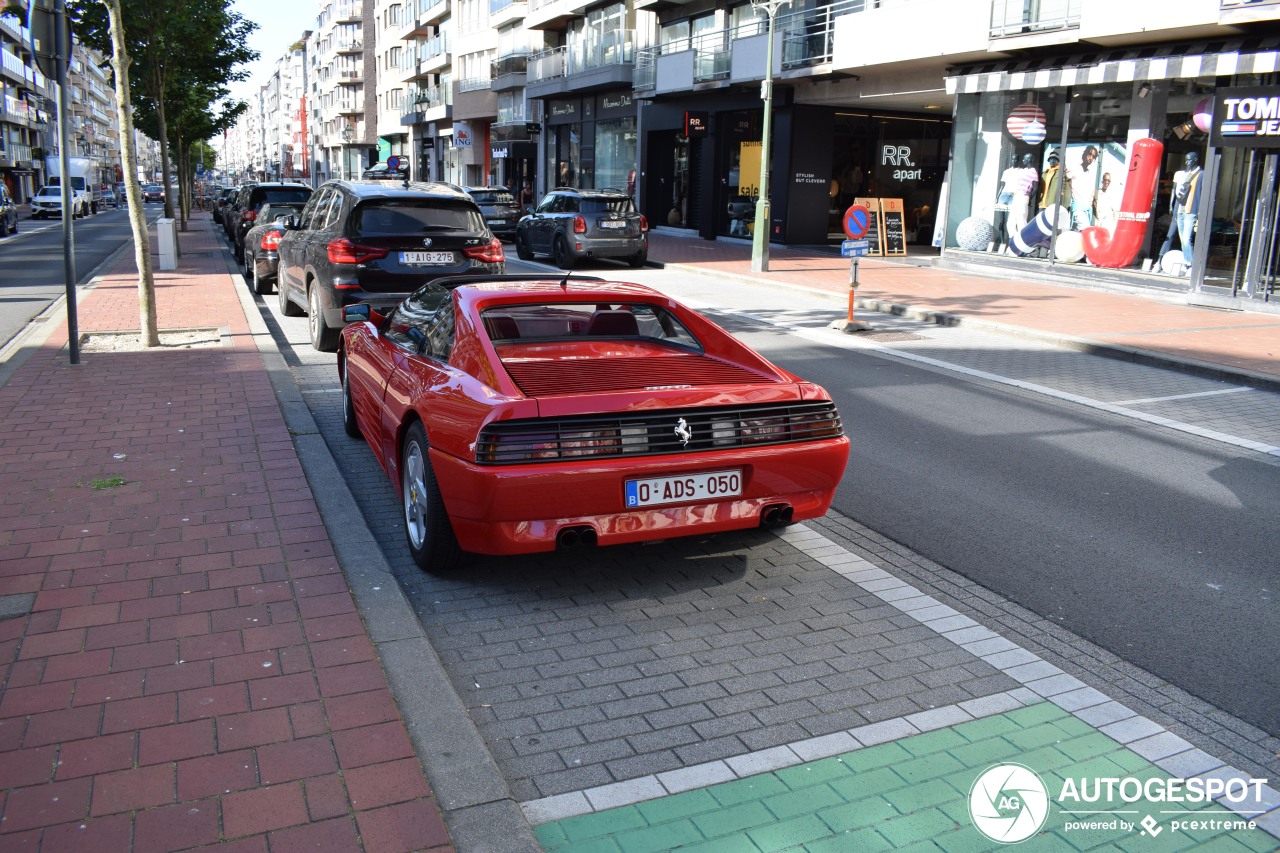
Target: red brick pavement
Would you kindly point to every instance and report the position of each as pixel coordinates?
(194, 670)
(1235, 339)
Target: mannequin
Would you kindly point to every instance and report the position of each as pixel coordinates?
(1083, 180)
(1104, 205)
(1188, 201)
(1180, 202)
(1004, 198)
(1049, 181)
(1024, 183)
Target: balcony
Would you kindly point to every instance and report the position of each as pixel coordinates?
(550, 14)
(348, 13)
(1019, 17)
(432, 103)
(348, 46)
(503, 12)
(603, 62)
(509, 72)
(432, 11)
(348, 106)
(349, 76)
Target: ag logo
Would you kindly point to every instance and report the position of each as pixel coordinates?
(1008, 803)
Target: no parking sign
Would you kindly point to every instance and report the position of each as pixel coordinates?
(857, 221)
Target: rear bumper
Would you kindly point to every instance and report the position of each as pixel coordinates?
(596, 247)
(519, 509)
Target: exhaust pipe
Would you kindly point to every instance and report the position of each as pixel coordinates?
(574, 537)
(776, 515)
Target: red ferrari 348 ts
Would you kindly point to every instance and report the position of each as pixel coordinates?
(519, 414)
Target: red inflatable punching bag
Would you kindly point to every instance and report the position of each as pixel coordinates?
(1113, 251)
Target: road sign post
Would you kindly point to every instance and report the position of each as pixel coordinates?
(853, 249)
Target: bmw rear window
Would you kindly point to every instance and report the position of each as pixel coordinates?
(607, 205)
(392, 218)
(494, 198)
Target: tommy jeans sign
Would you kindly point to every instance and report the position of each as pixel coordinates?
(1246, 117)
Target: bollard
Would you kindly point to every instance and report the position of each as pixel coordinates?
(167, 238)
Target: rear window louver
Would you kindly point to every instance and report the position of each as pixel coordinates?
(676, 431)
(545, 378)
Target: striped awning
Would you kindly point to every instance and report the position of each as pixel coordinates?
(1183, 61)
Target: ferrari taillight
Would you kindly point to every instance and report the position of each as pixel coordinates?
(490, 253)
(579, 225)
(270, 241)
(343, 251)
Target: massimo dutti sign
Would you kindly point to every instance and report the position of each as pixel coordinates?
(1246, 117)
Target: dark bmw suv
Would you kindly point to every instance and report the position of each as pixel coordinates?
(377, 241)
(572, 224)
(501, 213)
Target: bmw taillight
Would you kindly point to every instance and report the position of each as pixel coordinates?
(490, 253)
(343, 251)
(270, 241)
(579, 225)
(644, 223)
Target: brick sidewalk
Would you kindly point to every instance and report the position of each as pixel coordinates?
(194, 669)
(1240, 340)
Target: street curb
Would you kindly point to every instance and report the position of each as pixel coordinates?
(1119, 352)
(473, 796)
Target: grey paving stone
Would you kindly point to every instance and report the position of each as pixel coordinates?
(884, 731)
(1055, 685)
(763, 761)
(1192, 762)
(696, 776)
(1158, 746)
(558, 807)
(985, 706)
(1075, 700)
(624, 793)
(1130, 730)
(825, 746)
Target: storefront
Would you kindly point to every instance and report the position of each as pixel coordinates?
(702, 167)
(591, 142)
(1109, 164)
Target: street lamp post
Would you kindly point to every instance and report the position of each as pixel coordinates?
(760, 237)
(346, 138)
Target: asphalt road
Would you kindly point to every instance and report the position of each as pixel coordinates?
(1159, 547)
(32, 273)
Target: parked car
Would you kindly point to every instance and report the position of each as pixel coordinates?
(221, 202)
(153, 192)
(8, 213)
(48, 202)
(571, 224)
(533, 414)
(501, 213)
(262, 243)
(380, 241)
(231, 213)
(252, 199)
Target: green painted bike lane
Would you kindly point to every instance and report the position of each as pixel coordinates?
(909, 795)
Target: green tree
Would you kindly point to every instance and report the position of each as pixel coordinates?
(187, 46)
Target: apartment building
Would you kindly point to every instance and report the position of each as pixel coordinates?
(427, 72)
(25, 115)
(389, 48)
(513, 138)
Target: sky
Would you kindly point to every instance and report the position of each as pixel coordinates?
(280, 24)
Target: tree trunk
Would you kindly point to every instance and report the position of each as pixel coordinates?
(165, 166)
(149, 332)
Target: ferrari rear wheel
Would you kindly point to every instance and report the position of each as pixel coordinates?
(522, 248)
(564, 260)
(349, 425)
(432, 542)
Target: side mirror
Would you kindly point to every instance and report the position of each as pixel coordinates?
(356, 313)
(293, 222)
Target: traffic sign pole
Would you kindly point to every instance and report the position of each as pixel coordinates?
(853, 249)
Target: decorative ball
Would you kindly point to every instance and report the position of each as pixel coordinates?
(1033, 133)
(1069, 247)
(1021, 116)
(974, 234)
(1202, 115)
(1172, 263)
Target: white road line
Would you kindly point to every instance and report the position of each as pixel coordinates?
(1235, 390)
(828, 337)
